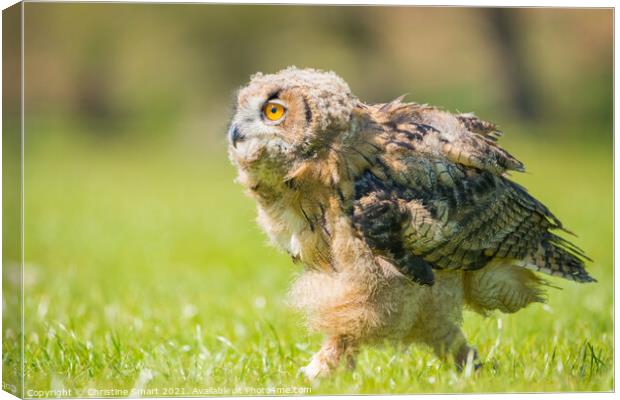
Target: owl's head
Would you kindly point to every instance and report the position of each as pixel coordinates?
(288, 115)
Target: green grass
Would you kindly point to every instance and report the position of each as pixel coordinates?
(145, 269)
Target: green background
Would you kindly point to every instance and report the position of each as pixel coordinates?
(144, 267)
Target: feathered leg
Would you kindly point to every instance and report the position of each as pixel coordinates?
(502, 287)
(334, 350)
(450, 342)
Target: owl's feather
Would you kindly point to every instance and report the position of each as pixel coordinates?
(365, 196)
(462, 139)
(435, 195)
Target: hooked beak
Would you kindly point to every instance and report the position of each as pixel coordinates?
(234, 135)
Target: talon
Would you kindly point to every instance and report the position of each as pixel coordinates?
(314, 370)
(470, 356)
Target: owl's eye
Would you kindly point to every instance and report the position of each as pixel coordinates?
(274, 111)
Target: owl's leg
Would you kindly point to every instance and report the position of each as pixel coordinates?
(502, 287)
(450, 342)
(327, 359)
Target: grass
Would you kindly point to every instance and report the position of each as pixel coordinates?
(145, 271)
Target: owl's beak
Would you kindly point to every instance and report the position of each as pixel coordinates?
(234, 135)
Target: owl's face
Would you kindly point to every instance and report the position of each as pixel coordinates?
(269, 120)
(285, 116)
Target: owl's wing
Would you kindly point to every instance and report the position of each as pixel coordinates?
(463, 138)
(425, 210)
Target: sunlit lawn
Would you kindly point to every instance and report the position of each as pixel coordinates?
(145, 269)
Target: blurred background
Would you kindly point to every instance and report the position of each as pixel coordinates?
(136, 234)
(120, 71)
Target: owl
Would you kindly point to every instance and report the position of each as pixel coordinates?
(401, 214)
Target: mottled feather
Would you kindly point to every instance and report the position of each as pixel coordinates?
(401, 213)
(439, 183)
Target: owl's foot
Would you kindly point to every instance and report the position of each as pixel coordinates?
(328, 358)
(315, 369)
(448, 342)
(465, 357)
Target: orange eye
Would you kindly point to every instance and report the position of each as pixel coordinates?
(273, 111)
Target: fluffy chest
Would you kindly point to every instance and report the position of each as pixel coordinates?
(297, 224)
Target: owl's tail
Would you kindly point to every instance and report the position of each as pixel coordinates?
(559, 257)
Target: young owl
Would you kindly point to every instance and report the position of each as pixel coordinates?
(400, 213)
